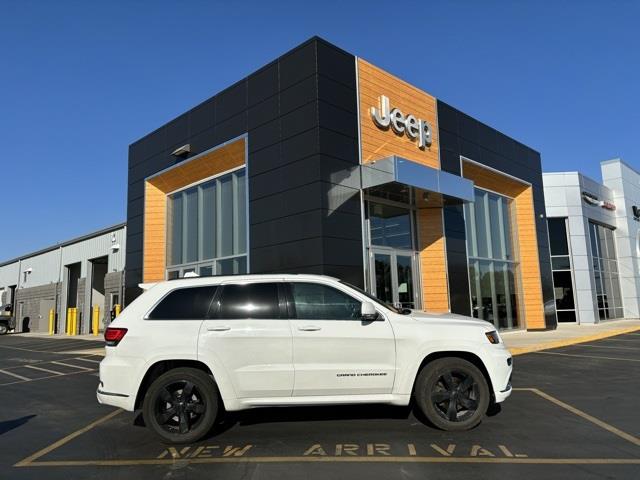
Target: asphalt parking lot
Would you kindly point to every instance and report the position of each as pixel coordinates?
(573, 414)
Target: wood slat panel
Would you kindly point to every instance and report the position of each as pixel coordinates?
(155, 200)
(376, 143)
(433, 264)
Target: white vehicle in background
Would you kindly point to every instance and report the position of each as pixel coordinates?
(187, 349)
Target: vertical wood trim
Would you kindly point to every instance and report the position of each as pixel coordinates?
(433, 262)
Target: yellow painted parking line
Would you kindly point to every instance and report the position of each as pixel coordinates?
(24, 379)
(596, 421)
(67, 439)
(33, 367)
(588, 356)
(301, 459)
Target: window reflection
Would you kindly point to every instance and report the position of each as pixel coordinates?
(492, 270)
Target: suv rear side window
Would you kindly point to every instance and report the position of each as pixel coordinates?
(184, 304)
(253, 300)
(314, 301)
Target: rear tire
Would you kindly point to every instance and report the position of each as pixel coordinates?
(181, 405)
(3, 329)
(452, 393)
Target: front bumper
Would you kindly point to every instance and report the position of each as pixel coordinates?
(501, 373)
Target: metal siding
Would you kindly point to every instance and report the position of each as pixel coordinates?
(44, 269)
(9, 274)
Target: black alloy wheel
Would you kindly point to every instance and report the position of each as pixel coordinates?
(455, 396)
(181, 405)
(452, 394)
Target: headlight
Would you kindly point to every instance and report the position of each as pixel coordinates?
(493, 337)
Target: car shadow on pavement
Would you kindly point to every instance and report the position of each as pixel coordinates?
(15, 423)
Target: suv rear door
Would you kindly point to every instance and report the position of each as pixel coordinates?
(334, 351)
(248, 334)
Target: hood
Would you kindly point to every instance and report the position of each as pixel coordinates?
(452, 319)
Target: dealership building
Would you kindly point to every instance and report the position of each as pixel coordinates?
(594, 231)
(321, 162)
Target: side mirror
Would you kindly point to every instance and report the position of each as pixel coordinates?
(368, 312)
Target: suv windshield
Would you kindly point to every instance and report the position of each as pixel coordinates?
(375, 300)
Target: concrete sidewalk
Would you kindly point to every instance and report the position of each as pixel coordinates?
(521, 341)
(518, 342)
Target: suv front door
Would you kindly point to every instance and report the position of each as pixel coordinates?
(249, 335)
(334, 351)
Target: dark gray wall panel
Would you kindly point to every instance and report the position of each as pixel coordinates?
(299, 112)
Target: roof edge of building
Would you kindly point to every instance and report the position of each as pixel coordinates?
(81, 238)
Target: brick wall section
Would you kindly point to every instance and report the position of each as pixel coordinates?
(31, 299)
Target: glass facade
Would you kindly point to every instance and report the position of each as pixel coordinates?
(492, 267)
(605, 270)
(561, 267)
(207, 227)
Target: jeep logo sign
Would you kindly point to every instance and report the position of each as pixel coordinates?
(409, 125)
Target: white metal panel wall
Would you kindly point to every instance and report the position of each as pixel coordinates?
(44, 269)
(97, 247)
(9, 274)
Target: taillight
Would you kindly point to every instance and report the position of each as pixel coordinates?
(113, 335)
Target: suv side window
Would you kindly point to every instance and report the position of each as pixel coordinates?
(184, 304)
(252, 300)
(314, 301)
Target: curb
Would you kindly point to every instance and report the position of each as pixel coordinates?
(571, 341)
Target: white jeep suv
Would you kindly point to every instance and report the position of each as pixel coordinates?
(187, 349)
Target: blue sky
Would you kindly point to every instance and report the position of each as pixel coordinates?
(80, 81)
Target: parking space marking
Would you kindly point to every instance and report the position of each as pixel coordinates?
(588, 356)
(586, 416)
(57, 375)
(478, 455)
(72, 366)
(24, 379)
(43, 369)
(66, 439)
(87, 360)
(637, 349)
(299, 459)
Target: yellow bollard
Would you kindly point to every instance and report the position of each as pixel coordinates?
(52, 318)
(75, 321)
(96, 319)
(117, 308)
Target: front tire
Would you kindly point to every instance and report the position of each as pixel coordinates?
(452, 393)
(3, 329)
(181, 405)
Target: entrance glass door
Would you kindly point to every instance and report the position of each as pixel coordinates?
(394, 274)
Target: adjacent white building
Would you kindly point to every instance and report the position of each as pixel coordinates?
(594, 238)
(81, 273)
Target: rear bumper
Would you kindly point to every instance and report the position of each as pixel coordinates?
(118, 377)
(114, 399)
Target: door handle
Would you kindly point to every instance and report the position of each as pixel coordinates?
(219, 328)
(309, 328)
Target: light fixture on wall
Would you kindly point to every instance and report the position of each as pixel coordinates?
(182, 151)
(115, 247)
